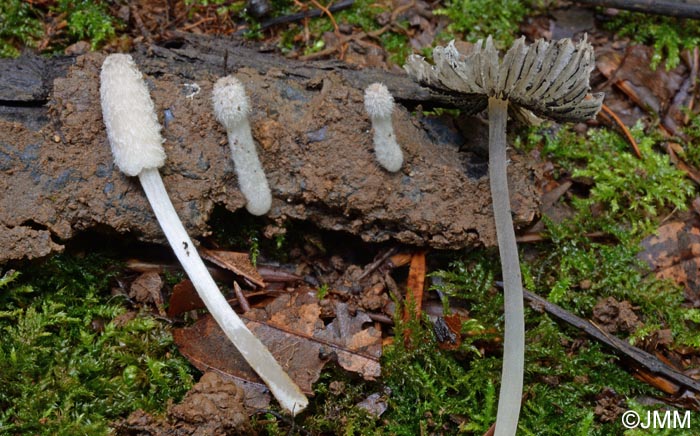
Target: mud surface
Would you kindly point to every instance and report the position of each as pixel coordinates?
(315, 144)
(213, 406)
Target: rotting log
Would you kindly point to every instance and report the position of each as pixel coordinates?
(308, 120)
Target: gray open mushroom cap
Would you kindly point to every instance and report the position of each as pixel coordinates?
(548, 79)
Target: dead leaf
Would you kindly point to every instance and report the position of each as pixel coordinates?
(609, 405)
(184, 299)
(454, 323)
(674, 253)
(415, 284)
(146, 289)
(652, 90)
(400, 259)
(672, 244)
(294, 333)
(375, 404)
(239, 263)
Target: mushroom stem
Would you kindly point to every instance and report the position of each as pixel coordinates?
(549, 79)
(514, 341)
(134, 136)
(231, 108)
(251, 177)
(255, 353)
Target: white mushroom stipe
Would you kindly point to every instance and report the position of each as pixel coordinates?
(137, 147)
(548, 79)
(231, 109)
(379, 105)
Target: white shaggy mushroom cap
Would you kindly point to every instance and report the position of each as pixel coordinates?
(379, 103)
(230, 101)
(129, 116)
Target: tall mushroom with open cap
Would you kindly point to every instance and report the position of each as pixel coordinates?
(550, 79)
(134, 136)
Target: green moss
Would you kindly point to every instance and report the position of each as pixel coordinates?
(668, 35)
(88, 20)
(577, 272)
(334, 409)
(626, 188)
(477, 19)
(20, 24)
(563, 378)
(628, 196)
(363, 16)
(433, 391)
(564, 374)
(691, 141)
(66, 366)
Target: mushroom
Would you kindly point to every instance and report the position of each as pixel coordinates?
(231, 108)
(134, 136)
(549, 79)
(379, 105)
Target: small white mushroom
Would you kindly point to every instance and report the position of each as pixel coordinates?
(134, 136)
(379, 105)
(550, 79)
(231, 108)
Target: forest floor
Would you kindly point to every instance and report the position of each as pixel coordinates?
(386, 338)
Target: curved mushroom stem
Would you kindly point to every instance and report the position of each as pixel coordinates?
(253, 351)
(514, 342)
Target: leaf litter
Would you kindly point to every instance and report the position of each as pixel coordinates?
(292, 328)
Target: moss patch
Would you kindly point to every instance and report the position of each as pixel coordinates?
(72, 359)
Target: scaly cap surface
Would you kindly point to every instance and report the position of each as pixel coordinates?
(129, 116)
(379, 102)
(230, 102)
(551, 79)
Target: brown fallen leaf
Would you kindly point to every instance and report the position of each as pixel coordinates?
(239, 263)
(673, 243)
(650, 89)
(146, 289)
(291, 328)
(674, 253)
(454, 324)
(400, 259)
(184, 299)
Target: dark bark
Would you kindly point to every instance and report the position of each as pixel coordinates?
(671, 8)
(638, 357)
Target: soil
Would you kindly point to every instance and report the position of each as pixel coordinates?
(214, 406)
(314, 141)
(616, 316)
